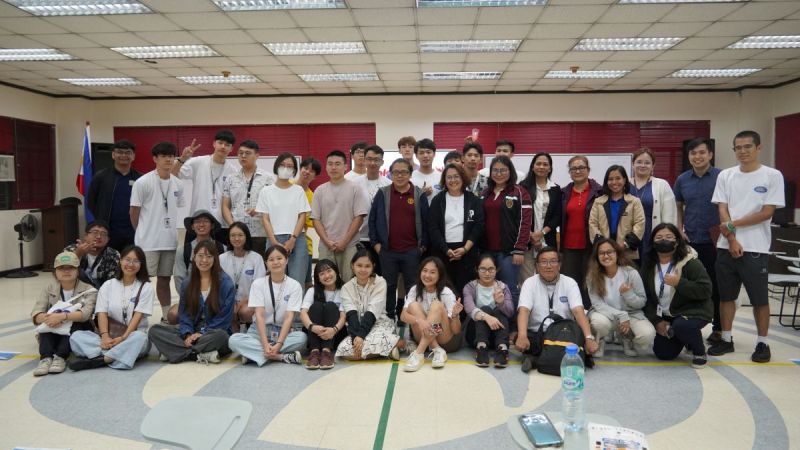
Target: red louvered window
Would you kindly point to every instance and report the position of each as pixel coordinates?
(787, 147)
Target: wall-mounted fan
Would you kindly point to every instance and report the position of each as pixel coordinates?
(27, 228)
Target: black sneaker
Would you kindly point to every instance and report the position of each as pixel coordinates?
(721, 348)
(762, 353)
(482, 357)
(528, 363)
(94, 363)
(714, 338)
(501, 359)
(699, 361)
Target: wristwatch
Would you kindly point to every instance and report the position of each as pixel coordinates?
(590, 337)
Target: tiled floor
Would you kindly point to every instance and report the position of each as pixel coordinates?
(732, 404)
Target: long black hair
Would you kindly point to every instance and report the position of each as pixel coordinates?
(530, 179)
(192, 294)
(319, 289)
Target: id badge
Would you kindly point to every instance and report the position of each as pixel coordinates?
(213, 203)
(273, 336)
(659, 311)
(167, 223)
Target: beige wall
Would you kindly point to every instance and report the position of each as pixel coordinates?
(396, 116)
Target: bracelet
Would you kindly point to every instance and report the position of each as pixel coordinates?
(730, 227)
(181, 161)
(335, 328)
(103, 332)
(311, 327)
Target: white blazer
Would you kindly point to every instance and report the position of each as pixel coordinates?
(664, 208)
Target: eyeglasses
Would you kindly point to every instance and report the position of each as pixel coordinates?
(549, 263)
(131, 262)
(577, 169)
(487, 270)
(453, 178)
(203, 256)
(400, 173)
(607, 253)
(373, 160)
(98, 233)
(745, 147)
(499, 171)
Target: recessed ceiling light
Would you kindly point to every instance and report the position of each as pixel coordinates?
(314, 48)
(461, 75)
(476, 3)
(681, 1)
(713, 73)
(474, 46)
(219, 79)
(319, 77)
(33, 54)
(101, 81)
(767, 42)
(265, 5)
(586, 74)
(80, 7)
(612, 44)
(166, 51)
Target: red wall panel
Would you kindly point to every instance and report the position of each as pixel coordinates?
(787, 148)
(6, 136)
(144, 138)
(322, 138)
(535, 137)
(452, 135)
(665, 139)
(35, 157)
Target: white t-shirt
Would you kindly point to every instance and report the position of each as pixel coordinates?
(283, 206)
(157, 229)
(420, 179)
(746, 193)
(330, 296)
(665, 300)
(540, 206)
(288, 297)
(454, 218)
(113, 296)
(371, 187)
(243, 270)
(353, 176)
(448, 298)
(208, 180)
(533, 295)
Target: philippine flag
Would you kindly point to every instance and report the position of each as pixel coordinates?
(84, 178)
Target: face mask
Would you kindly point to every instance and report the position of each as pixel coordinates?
(285, 173)
(664, 246)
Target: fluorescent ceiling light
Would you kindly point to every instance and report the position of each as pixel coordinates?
(767, 42)
(461, 75)
(80, 7)
(474, 46)
(319, 77)
(33, 54)
(314, 48)
(586, 74)
(681, 1)
(611, 44)
(166, 51)
(219, 79)
(713, 73)
(265, 5)
(476, 3)
(101, 81)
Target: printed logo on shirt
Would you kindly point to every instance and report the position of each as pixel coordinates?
(510, 201)
(471, 215)
(761, 189)
(176, 193)
(286, 298)
(410, 200)
(563, 299)
(250, 272)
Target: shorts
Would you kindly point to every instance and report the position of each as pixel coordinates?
(160, 262)
(750, 270)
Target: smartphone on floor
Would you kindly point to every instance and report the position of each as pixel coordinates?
(540, 430)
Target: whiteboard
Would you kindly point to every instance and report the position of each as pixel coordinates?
(599, 163)
(264, 163)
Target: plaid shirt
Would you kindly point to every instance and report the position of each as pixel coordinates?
(107, 264)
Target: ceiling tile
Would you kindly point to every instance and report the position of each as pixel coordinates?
(442, 57)
(701, 11)
(445, 32)
(362, 58)
(398, 67)
(544, 45)
(94, 53)
(396, 58)
(441, 67)
(733, 54)
(485, 67)
(302, 60)
(635, 13)
(389, 33)
(490, 57)
(279, 35)
(203, 21)
(618, 65)
(732, 28)
(781, 27)
(143, 22)
(85, 24)
(674, 29)
(169, 37)
(262, 19)
(634, 56)
(184, 71)
(683, 55)
(210, 61)
(322, 17)
(586, 56)
(223, 36)
(706, 64)
(120, 64)
(782, 53)
(572, 14)
(501, 32)
(391, 46)
(30, 25)
(13, 41)
(609, 30)
(342, 34)
(528, 67)
(171, 62)
(554, 31)
(508, 15)
(242, 50)
(663, 65)
(269, 70)
(323, 68)
(446, 16)
(764, 11)
(704, 43)
(537, 56)
(117, 39)
(583, 65)
(385, 16)
(396, 78)
(64, 40)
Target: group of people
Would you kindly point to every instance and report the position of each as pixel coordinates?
(457, 255)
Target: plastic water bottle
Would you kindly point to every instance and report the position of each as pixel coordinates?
(572, 403)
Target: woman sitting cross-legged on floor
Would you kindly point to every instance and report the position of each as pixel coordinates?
(276, 299)
(432, 312)
(204, 313)
(123, 305)
(323, 316)
(370, 332)
(617, 295)
(488, 303)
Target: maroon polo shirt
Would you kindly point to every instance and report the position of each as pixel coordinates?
(491, 216)
(402, 220)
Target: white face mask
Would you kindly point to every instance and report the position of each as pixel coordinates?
(285, 173)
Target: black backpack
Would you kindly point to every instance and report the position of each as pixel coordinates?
(552, 343)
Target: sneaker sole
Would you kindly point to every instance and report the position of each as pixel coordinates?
(411, 369)
(321, 367)
(482, 364)
(760, 361)
(713, 353)
(312, 367)
(41, 374)
(699, 366)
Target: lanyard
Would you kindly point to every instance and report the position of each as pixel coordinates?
(272, 295)
(214, 180)
(165, 195)
(238, 272)
(661, 277)
(249, 187)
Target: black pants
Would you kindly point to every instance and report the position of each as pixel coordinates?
(57, 344)
(707, 254)
(393, 264)
(573, 265)
(462, 271)
(325, 314)
(686, 334)
(479, 331)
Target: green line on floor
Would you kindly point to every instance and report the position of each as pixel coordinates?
(387, 406)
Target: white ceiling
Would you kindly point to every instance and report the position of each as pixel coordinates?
(391, 31)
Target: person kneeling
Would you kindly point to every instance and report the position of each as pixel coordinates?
(322, 315)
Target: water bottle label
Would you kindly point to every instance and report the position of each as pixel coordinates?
(572, 378)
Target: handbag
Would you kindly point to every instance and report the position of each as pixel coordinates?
(117, 328)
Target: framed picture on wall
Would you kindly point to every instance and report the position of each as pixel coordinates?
(7, 168)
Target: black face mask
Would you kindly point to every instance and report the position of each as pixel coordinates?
(664, 246)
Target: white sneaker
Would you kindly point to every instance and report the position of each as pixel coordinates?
(414, 362)
(206, 358)
(439, 358)
(411, 346)
(601, 349)
(292, 358)
(43, 368)
(58, 365)
(628, 348)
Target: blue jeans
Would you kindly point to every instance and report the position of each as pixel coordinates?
(507, 273)
(392, 265)
(298, 259)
